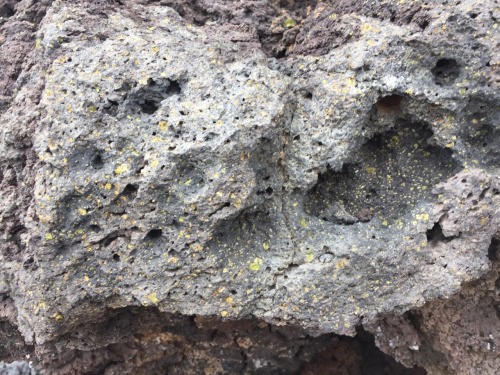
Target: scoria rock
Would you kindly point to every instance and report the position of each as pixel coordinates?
(203, 186)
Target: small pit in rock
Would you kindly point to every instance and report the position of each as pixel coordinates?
(389, 104)
(149, 106)
(446, 72)
(147, 99)
(494, 250)
(130, 192)
(154, 234)
(97, 162)
(436, 235)
(189, 176)
(7, 9)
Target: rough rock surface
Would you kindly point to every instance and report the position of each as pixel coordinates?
(459, 335)
(233, 187)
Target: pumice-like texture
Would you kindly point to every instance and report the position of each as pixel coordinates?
(238, 187)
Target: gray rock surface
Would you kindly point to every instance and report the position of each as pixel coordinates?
(319, 165)
(17, 368)
(455, 336)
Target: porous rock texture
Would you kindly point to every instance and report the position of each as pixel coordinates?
(200, 186)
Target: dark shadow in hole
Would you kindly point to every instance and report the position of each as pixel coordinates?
(95, 228)
(424, 24)
(389, 104)
(446, 72)
(226, 204)
(435, 235)
(97, 162)
(111, 107)
(355, 355)
(6, 10)
(108, 240)
(28, 262)
(130, 191)
(149, 97)
(494, 250)
(154, 234)
(268, 191)
(149, 106)
(174, 88)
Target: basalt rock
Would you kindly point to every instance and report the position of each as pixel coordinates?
(230, 187)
